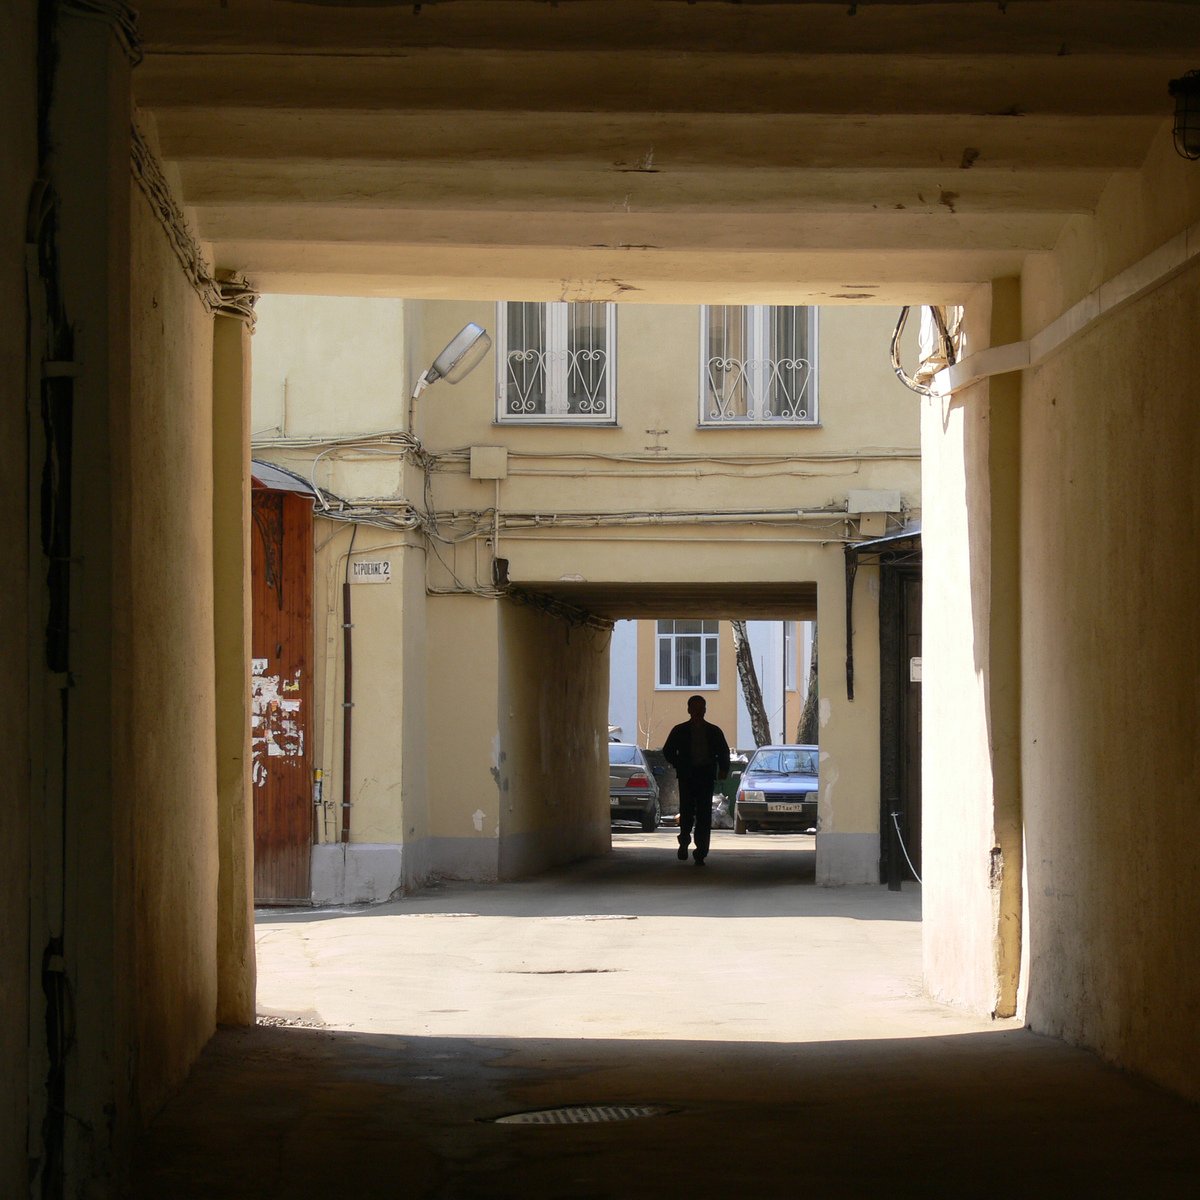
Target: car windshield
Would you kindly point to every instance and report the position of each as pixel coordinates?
(618, 752)
(785, 762)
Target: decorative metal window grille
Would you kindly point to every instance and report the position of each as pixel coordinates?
(758, 365)
(557, 363)
(688, 652)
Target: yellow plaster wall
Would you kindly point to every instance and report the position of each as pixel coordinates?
(552, 767)
(1109, 652)
(848, 801)
(863, 406)
(1138, 212)
(958, 829)
(169, 783)
(415, 731)
(339, 367)
(383, 690)
(331, 541)
(18, 165)
(1075, 494)
(232, 644)
(1111, 662)
(465, 763)
(378, 695)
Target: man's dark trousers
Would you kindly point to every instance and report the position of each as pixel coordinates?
(695, 808)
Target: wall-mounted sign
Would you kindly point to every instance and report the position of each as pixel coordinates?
(371, 570)
(914, 670)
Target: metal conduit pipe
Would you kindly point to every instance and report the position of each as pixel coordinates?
(535, 520)
(347, 706)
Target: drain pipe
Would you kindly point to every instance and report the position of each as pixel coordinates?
(347, 690)
(347, 705)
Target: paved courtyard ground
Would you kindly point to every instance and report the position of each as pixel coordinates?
(780, 1029)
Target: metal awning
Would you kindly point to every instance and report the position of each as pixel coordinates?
(892, 548)
(279, 479)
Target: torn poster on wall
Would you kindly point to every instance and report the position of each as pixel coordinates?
(276, 730)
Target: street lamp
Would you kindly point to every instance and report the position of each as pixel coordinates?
(463, 353)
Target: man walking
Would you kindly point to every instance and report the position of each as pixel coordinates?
(700, 755)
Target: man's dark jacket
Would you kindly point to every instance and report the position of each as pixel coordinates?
(677, 750)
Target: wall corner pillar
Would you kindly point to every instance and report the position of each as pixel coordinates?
(971, 693)
(1004, 649)
(231, 638)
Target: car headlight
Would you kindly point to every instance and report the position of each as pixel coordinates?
(754, 797)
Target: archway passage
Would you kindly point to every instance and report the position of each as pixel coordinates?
(697, 153)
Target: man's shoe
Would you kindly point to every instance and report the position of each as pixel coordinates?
(681, 854)
(698, 859)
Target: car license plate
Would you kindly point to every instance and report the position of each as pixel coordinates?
(781, 806)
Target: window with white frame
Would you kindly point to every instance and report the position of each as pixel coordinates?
(557, 362)
(758, 365)
(688, 652)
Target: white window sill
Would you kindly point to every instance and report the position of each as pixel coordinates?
(558, 422)
(773, 424)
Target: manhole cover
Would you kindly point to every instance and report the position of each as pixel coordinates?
(583, 1114)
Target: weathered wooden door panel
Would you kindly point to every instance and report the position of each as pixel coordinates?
(281, 641)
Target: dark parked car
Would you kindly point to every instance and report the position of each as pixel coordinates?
(668, 783)
(778, 790)
(632, 790)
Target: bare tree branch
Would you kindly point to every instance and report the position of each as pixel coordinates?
(806, 731)
(760, 728)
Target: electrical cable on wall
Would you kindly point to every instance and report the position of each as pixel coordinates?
(119, 16)
(453, 528)
(233, 297)
(900, 839)
(948, 353)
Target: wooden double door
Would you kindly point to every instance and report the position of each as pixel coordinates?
(281, 646)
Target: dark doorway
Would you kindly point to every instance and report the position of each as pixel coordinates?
(900, 709)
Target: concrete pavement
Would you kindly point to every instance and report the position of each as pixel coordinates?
(782, 1025)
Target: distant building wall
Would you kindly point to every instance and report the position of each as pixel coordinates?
(622, 691)
(431, 696)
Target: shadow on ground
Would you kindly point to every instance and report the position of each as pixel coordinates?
(753, 876)
(298, 1114)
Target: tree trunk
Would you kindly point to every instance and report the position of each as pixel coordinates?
(759, 726)
(807, 730)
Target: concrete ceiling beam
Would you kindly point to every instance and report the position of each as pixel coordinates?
(588, 232)
(878, 26)
(628, 141)
(518, 187)
(651, 149)
(637, 81)
(312, 266)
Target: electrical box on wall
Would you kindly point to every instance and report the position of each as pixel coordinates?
(489, 462)
(872, 524)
